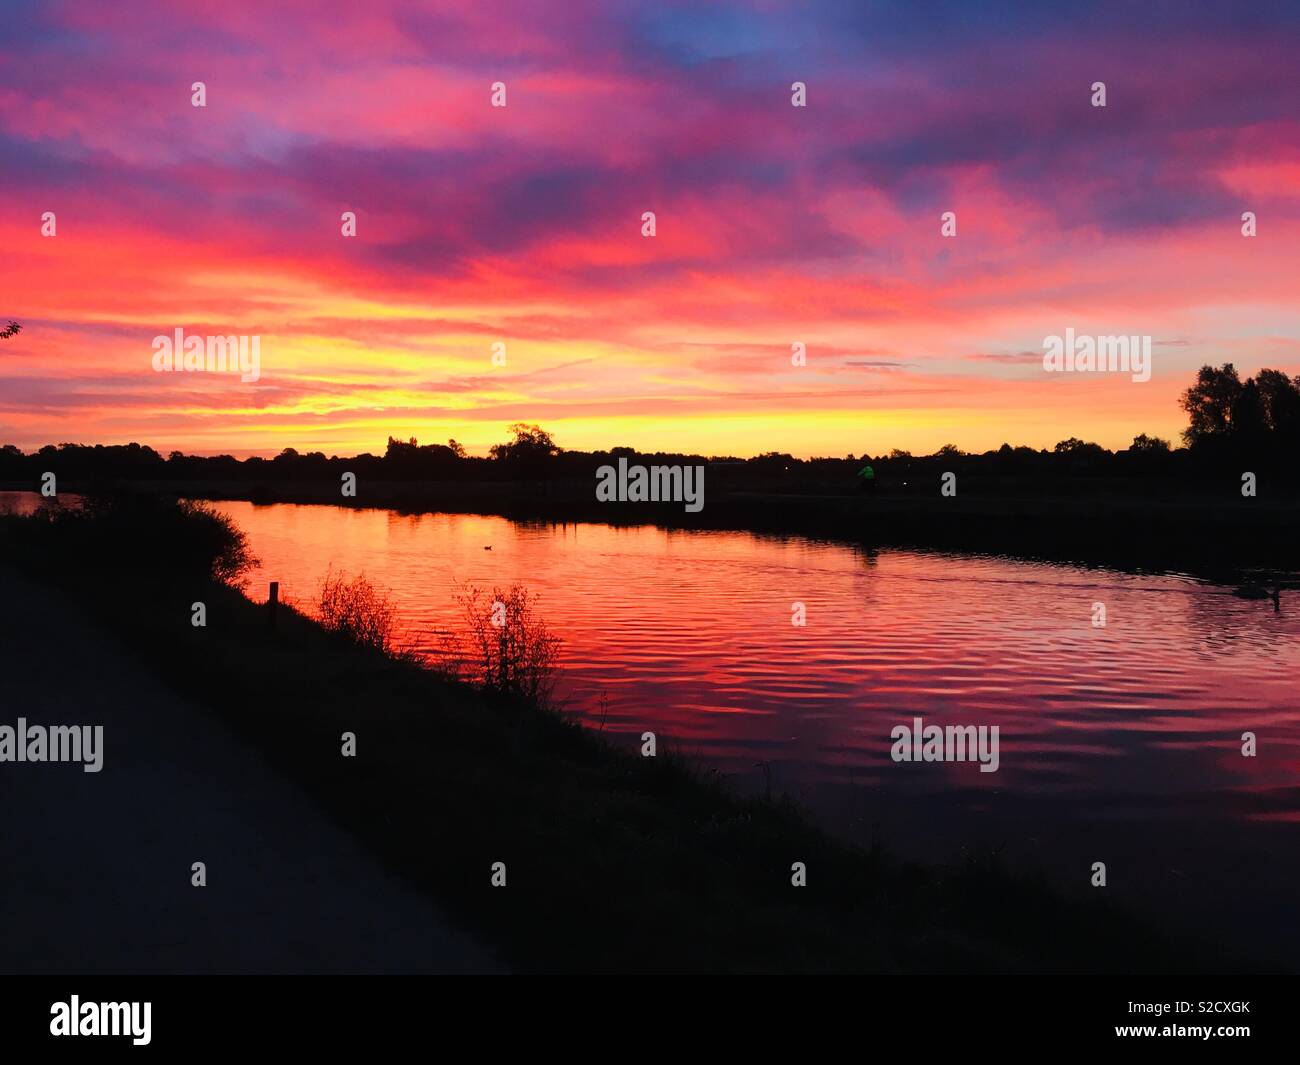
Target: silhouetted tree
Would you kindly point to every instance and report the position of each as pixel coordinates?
(11, 330)
(1072, 444)
(1281, 399)
(407, 459)
(1248, 425)
(1148, 444)
(1209, 403)
(531, 445)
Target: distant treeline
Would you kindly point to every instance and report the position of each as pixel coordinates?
(1234, 425)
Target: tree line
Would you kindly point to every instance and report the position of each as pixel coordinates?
(1254, 424)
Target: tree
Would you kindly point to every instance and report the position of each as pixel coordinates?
(399, 449)
(11, 330)
(1281, 400)
(1081, 453)
(531, 445)
(1149, 444)
(1247, 420)
(1209, 403)
(406, 458)
(772, 462)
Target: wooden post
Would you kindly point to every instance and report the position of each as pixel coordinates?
(272, 601)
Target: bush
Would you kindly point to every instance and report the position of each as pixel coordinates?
(143, 536)
(215, 536)
(507, 648)
(357, 610)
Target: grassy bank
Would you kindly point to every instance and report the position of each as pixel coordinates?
(614, 862)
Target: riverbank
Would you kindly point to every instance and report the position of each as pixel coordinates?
(1217, 534)
(613, 862)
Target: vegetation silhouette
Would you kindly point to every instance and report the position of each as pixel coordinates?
(357, 611)
(506, 648)
(1230, 421)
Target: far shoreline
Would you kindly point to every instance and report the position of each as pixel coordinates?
(1217, 536)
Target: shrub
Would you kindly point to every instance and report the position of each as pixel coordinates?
(144, 536)
(216, 536)
(507, 648)
(357, 610)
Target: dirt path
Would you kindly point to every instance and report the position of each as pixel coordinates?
(95, 867)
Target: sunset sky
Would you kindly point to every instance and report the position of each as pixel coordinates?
(522, 224)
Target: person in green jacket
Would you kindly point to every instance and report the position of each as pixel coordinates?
(867, 480)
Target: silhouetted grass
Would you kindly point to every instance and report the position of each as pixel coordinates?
(615, 863)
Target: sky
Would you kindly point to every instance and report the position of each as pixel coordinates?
(522, 225)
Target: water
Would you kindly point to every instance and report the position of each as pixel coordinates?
(26, 503)
(1120, 744)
